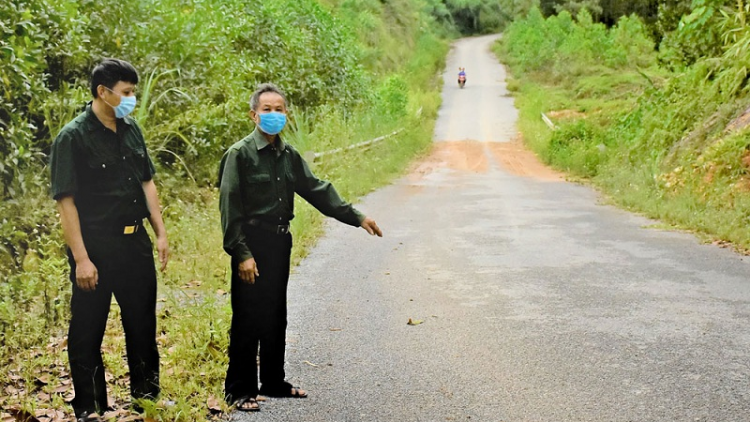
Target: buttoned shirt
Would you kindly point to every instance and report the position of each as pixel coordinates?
(258, 180)
(104, 171)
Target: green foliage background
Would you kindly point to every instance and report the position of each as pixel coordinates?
(654, 128)
(353, 70)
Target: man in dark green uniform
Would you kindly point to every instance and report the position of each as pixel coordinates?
(102, 180)
(259, 176)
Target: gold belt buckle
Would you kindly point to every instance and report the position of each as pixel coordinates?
(129, 229)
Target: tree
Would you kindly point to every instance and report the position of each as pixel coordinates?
(575, 6)
(480, 16)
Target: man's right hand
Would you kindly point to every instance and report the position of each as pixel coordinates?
(248, 271)
(87, 276)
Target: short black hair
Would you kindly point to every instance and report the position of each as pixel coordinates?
(262, 89)
(111, 71)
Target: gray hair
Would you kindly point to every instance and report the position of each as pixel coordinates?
(262, 89)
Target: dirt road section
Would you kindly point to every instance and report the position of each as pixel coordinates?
(516, 159)
(477, 157)
(475, 131)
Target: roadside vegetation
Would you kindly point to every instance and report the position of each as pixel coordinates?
(651, 109)
(353, 70)
(648, 97)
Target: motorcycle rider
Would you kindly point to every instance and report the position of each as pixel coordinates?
(461, 72)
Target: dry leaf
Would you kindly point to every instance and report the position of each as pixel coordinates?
(69, 397)
(192, 283)
(117, 414)
(59, 416)
(44, 414)
(22, 415)
(414, 321)
(133, 418)
(214, 406)
(310, 363)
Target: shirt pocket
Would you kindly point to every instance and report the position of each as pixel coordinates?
(258, 189)
(135, 159)
(101, 174)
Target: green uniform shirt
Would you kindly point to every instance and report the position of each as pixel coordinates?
(258, 180)
(102, 170)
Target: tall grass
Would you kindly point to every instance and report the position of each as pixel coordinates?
(657, 141)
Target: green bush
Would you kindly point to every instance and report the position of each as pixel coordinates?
(393, 96)
(657, 134)
(567, 47)
(578, 148)
(630, 44)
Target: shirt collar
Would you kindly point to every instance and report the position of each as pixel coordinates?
(93, 122)
(261, 142)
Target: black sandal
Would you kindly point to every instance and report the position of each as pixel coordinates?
(284, 390)
(240, 402)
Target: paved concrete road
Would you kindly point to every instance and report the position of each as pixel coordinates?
(537, 303)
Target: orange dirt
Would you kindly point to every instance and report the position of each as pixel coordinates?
(517, 159)
(740, 122)
(474, 156)
(460, 155)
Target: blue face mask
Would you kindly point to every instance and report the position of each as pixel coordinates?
(272, 123)
(126, 106)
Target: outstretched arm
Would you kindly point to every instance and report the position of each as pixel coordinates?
(371, 227)
(323, 196)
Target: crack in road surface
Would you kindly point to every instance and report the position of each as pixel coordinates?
(536, 302)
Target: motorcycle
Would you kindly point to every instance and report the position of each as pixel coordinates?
(461, 81)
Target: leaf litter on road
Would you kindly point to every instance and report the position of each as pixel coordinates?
(414, 321)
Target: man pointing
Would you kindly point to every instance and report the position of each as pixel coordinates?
(259, 177)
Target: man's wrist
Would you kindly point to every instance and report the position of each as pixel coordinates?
(243, 256)
(82, 258)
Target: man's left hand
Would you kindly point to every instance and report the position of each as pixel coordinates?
(371, 227)
(162, 247)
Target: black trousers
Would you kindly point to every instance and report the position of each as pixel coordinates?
(259, 316)
(126, 269)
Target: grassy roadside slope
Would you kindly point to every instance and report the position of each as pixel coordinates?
(658, 142)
